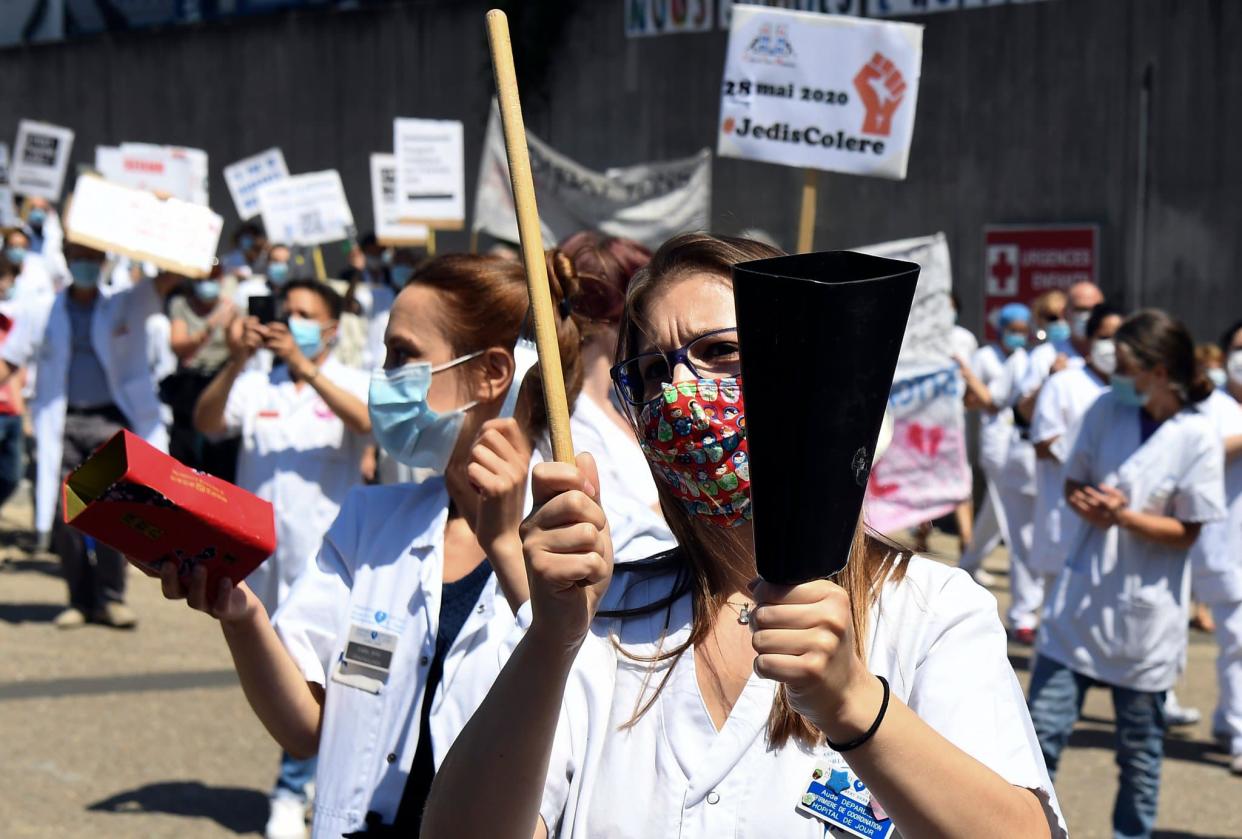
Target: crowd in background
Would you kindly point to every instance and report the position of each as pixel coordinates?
(1109, 449)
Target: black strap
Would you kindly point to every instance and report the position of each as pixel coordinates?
(870, 732)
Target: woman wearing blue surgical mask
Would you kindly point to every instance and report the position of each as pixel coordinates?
(1145, 475)
(414, 585)
(700, 701)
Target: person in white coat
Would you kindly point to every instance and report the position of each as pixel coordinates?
(1145, 474)
(1216, 559)
(1062, 402)
(1067, 344)
(413, 581)
(303, 426)
(94, 379)
(687, 698)
(1008, 462)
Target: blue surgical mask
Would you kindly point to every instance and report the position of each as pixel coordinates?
(278, 273)
(401, 274)
(1058, 332)
(307, 334)
(15, 254)
(245, 242)
(84, 273)
(402, 422)
(1126, 393)
(1013, 340)
(36, 218)
(208, 290)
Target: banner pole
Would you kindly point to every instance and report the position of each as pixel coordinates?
(431, 243)
(474, 240)
(806, 218)
(531, 234)
(317, 255)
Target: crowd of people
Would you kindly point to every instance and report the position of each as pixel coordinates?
(447, 609)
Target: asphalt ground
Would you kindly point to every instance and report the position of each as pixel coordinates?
(145, 733)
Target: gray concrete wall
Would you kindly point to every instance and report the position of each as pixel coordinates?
(1027, 113)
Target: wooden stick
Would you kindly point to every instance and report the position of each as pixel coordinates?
(531, 235)
(806, 219)
(321, 273)
(430, 244)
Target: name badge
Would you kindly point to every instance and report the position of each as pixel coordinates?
(367, 659)
(836, 797)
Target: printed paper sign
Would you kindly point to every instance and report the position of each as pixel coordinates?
(1021, 263)
(820, 91)
(176, 235)
(650, 202)
(924, 473)
(308, 209)
(40, 159)
(389, 229)
(431, 172)
(160, 169)
(246, 176)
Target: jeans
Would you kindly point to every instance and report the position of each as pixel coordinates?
(12, 444)
(1057, 694)
(295, 775)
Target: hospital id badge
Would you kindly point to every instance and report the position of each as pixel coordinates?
(367, 658)
(836, 797)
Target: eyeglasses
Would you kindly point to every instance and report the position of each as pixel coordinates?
(711, 355)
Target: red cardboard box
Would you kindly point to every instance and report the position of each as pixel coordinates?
(153, 508)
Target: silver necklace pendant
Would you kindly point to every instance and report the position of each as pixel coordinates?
(743, 615)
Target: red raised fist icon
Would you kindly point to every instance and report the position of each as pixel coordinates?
(880, 86)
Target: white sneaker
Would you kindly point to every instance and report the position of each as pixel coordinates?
(1176, 715)
(287, 819)
(1235, 765)
(984, 578)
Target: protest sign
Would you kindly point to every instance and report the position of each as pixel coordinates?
(176, 235)
(924, 474)
(824, 92)
(4, 164)
(246, 176)
(823, 7)
(431, 172)
(308, 209)
(650, 202)
(389, 229)
(200, 172)
(161, 169)
(1023, 262)
(40, 159)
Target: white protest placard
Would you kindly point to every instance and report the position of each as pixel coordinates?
(176, 235)
(820, 91)
(650, 202)
(308, 209)
(246, 176)
(200, 171)
(167, 170)
(925, 473)
(389, 229)
(4, 164)
(431, 171)
(40, 159)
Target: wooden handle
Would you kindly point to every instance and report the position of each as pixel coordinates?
(531, 235)
(806, 219)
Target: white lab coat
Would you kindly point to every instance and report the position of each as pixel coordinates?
(962, 342)
(626, 487)
(381, 568)
(1216, 558)
(1007, 459)
(297, 454)
(1064, 400)
(1119, 610)
(37, 283)
(119, 336)
(935, 637)
(1042, 358)
(375, 299)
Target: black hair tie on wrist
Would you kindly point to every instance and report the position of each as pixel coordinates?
(870, 732)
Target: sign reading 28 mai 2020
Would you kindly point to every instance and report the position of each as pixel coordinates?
(820, 91)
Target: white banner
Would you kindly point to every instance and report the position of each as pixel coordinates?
(308, 209)
(431, 171)
(649, 203)
(165, 170)
(823, 7)
(389, 229)
(924, 474)
(665, 17)
(176, 235)
(40, 159)
(246, 176)
(820, 91)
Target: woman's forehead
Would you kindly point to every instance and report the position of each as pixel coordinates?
(687, 306)
(416, 315)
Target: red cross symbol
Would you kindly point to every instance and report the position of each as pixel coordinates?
(1002, 272)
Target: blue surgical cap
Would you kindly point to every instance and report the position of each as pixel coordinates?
(1012, 312)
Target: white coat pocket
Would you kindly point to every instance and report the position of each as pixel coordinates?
(1146, 625)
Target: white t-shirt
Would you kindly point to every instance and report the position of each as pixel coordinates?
(1119, 610)
(297, 454)
(1006, 456)
(935, 636)
(1062, 402)
(1216, 558)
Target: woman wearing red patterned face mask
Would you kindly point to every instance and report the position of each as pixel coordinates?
(690, 697)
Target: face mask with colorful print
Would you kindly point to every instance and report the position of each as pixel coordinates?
(694, 435)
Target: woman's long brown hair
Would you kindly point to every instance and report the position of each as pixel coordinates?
(706, 553)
